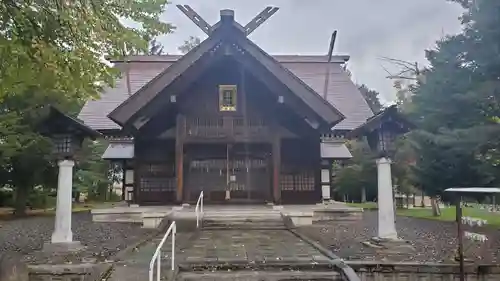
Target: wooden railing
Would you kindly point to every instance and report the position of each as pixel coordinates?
(225, 127)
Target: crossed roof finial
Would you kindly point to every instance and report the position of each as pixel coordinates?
(248, 28)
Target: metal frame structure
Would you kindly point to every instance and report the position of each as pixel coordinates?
(460, 191)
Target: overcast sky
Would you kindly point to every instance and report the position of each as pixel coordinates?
(367, 29)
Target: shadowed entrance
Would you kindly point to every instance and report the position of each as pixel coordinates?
(229, 173)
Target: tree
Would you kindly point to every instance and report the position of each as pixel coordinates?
(406, 80)
(371, 97)
(93, 175)
(189, 44)
(457, 107)
(155, 48)
(358, 177)
(52, 54)
(58, 45)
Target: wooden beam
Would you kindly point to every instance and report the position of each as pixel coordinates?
(284, 114)
(313, 141)
(305, 93)
(275, 87)
(159, 106)
(196, 18)
(179, 156)
(129, 110)
(137, 176)
(276, 155)
(260, 19)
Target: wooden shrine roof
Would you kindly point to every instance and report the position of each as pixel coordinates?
(57, 122)
(389, 114)
(344, 107)
(342, 92)
(227, 36)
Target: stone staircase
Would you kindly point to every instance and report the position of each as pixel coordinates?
(243, 219)
(235, 243)
(276, 274)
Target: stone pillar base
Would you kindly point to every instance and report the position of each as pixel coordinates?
(386, 245)
(74, 246)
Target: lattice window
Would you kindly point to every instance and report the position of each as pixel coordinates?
(153, 184)
(227, 97)
(303, 181)
(157, 177)
(256, 122)
(63, 143)
(158, 170)
(238, 122)
(237, 186)
(286, 182)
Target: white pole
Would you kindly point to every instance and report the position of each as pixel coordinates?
(386, 218)
(62, 231)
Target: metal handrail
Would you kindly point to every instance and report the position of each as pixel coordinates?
(199, 209)
(172, 229)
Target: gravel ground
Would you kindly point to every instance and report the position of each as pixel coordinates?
(27, 236)
(434, 241)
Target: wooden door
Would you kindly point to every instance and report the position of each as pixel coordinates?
(230, 176)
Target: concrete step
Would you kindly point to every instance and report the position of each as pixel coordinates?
(243, 223)
(243, 219)
(242, 213)
(259, 276)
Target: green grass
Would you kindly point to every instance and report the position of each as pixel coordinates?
(6, 213)
(367, 205)
(447, 214)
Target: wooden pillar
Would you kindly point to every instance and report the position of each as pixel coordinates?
(315, 146)
(332, 187)
(276, 152)
(179, 156)
(136, 197)
(124, 178)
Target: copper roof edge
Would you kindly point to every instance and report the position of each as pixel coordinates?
(279, 58)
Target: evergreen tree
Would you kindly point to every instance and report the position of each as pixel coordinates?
(189, 44)
(457, 107)
(371, 97)
(52, 53)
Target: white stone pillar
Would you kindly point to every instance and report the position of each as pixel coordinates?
(386, 219)
(62, 231)
(325, 184)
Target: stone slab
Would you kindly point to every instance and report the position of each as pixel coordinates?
(249, 246)
(74, 246)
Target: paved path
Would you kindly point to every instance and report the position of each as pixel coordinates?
(219, 248)
(251, 246)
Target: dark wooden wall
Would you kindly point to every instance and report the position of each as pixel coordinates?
(155, 181)
(210, 142)
(299, 180)
(204, 121)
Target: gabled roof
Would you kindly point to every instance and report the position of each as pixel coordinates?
(152, 88)
(57, 122)
(119, 150)
(342, 92)
(227, 33)
(334, 150)
(388, 115)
